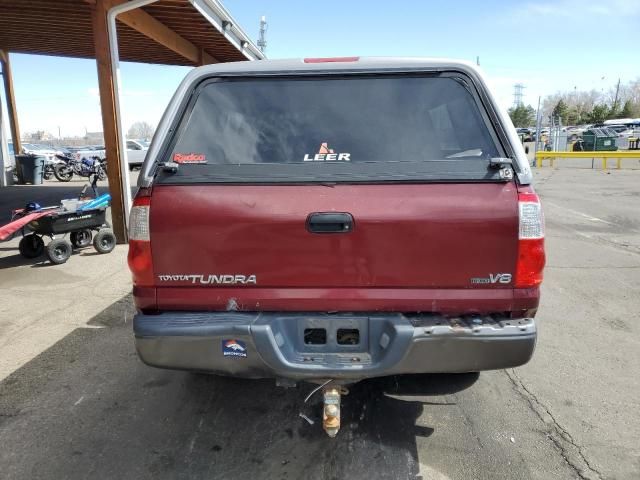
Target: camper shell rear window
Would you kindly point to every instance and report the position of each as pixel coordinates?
(349, 128)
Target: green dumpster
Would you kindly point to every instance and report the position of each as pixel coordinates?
(599, 140)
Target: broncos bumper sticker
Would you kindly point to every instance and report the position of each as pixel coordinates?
(234, 348)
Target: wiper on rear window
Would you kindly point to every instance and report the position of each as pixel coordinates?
(474, 152)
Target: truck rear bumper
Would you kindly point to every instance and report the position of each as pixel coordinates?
(264, 345)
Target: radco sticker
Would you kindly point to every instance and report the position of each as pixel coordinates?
(210, 279)
(189, 158)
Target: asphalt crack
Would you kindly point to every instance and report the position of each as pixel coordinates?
(570, 451)
(467, 419)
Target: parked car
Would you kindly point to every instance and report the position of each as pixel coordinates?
(331, 220)
(136, 151)
(526, 133)
(544, 132)
(12, 154)
(622, 131)
(36, 149)
(73, 149)
(86, 151)
(574, 133)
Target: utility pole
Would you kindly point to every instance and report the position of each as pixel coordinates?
(262, 39)
(538, 125)
(478, 60)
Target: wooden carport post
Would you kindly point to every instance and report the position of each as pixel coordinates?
(108, 109)
(7, 79)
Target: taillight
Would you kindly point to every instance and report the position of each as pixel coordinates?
(139, 258)
(531, 257)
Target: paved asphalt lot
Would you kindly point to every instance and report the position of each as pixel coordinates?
(83, 406)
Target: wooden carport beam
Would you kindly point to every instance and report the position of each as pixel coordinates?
(160, 33)
(157, 31)
(7, 79)
(108, 111)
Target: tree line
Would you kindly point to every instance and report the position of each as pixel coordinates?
(583, 107)
(141, 130)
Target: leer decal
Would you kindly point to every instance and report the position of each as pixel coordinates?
(326, 154)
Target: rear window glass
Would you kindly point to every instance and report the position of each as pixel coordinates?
(333, 129)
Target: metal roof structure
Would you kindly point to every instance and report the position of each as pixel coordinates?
(64, 28)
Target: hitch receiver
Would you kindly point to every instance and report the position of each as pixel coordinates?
(331, 411)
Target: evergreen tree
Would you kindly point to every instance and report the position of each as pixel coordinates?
(627, 110)
(522, 116)
(599, 113)
(561, 110)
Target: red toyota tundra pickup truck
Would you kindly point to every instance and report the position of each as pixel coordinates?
(330, 220)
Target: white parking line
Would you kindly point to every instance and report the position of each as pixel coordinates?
(576, 212)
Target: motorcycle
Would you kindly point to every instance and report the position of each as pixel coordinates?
(48, 171)
(49, 166)
(84, 167)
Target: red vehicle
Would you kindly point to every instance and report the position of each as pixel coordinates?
(330, 220)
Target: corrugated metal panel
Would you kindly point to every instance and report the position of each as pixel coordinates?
(64, 28)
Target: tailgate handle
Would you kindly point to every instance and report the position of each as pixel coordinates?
(330, 222)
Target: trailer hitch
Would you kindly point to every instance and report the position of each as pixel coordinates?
(331, 411)
(331, 395)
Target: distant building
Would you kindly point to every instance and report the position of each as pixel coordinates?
(37, 137)
(94, 138)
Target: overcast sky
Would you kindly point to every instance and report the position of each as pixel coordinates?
(547, 45)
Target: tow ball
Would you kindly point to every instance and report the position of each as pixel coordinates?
(331, 411)
(330, 407)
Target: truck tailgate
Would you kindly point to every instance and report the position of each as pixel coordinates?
(412, 247)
